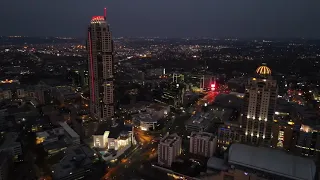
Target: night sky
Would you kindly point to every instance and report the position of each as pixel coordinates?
(164, 18)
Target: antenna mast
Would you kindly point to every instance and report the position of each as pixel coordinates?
(105, 13)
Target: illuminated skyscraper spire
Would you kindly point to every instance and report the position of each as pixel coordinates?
(100, 65)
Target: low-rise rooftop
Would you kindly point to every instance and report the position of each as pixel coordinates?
(272, 161)
(77, 158)
(10, 140)
(170, 139)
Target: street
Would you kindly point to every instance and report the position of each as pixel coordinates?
(129, 167)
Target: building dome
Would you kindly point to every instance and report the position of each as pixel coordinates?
(263, 70)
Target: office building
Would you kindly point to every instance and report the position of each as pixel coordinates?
(169, 148)
(306, 136)
(203, 143)
(177, 78)
(228, 133)
(207, 83)
(259, 106)
(173, 95)
(100, 65)
(5, 165)
(283, 132)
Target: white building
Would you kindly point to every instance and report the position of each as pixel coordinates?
(113, 138)
(70, 133)
(11, 145)
(100, 140)
(203, 143)
(259, 106)
(100, 62)
(169, 148)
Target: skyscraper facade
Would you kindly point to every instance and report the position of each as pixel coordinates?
(259, 106)
(100, 65)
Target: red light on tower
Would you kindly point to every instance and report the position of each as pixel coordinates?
(213, 87)
(97, 18)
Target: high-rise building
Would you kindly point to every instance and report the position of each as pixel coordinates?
(169, 148)
(100, 65)
(259, 106)
(203, 143)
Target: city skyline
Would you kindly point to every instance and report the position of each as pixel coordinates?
(190, 90)
(241, 19)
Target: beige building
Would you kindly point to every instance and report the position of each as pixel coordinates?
(169, 148)
(259, 106)
(203, 143)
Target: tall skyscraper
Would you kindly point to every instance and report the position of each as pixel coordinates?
(100, 65)
(259, 106)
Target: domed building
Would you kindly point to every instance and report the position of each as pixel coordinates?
(259, 106)
(263, 70)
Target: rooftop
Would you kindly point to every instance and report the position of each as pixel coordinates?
(170, 139)
(144, 117)
(69, 130)
(206, 135)
(157, 107)
(201, 119)
(10, 140)
(228, 101)
(280, 163)
(55, 145)
(76, 158)
(22, 109)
